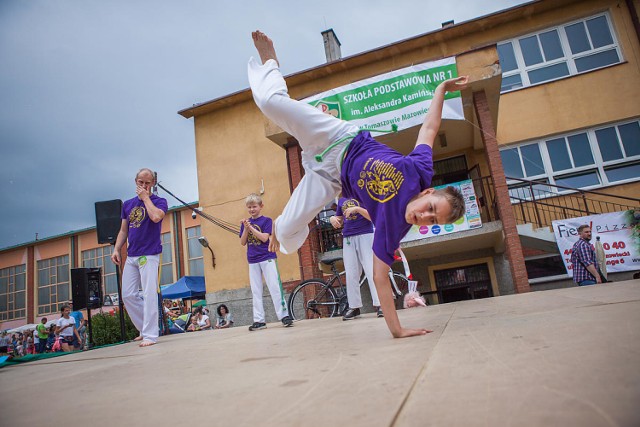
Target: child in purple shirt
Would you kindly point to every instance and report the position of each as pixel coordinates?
(394, 189)
(255, 232)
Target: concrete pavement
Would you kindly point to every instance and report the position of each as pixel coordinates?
(568, 357)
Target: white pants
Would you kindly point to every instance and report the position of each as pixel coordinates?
(269, 269)
(357, 253)
(315, 131)
(142, 307)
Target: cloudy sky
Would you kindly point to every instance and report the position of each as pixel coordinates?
(90, 89)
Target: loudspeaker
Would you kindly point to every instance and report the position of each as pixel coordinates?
(86, 288)
(108, 220)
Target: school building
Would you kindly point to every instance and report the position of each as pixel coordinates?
(551, 131)
(35, 277)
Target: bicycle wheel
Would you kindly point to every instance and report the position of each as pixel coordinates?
(400, 286)
(312, 299)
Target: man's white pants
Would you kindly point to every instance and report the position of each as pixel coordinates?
(142, 271)
(357, 253)
(314, 131)
(269, 269)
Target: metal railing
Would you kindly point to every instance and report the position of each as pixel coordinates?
(540, 203)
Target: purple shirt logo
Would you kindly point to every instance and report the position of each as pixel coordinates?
(381, 179)
(136, 216)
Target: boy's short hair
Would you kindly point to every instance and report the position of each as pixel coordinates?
(253, 198)
(456, 201)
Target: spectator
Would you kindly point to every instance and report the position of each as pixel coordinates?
(583, 258)
(224, 319)
(193, 326)
(30, 345)
(82, 331)
(77, 316)
(4, 343)
(202, 319)
(43, 334)
(51, 339)
(66, 328)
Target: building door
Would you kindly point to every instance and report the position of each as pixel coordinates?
(463, 283)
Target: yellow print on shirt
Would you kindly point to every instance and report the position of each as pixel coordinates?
(350, 203)
(253, 240)
(136, 216)
(381, 179)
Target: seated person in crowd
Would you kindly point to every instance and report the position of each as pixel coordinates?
(202, 320)
(224, 319)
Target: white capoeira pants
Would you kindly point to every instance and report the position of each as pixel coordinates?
(357, 254)
(314, 131)
(142, 271)
(269, 269)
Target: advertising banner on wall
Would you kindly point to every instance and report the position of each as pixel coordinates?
(619, 234)
(400, 98)
(470, 220)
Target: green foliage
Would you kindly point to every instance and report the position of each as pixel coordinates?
(106, 328)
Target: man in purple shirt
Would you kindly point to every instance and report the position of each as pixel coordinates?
(583, 259)
(357, 233)
(337, 155)
(141, 226)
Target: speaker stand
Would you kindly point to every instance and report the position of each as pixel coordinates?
(123, 335)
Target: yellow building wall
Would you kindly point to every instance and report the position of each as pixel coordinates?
(13, 257)
(581, 101)
(234, 156)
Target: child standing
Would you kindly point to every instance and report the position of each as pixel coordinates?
(393, 188)
(357, 233)
(255, 233)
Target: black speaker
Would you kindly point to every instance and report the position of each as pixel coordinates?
(86, 288)
(108, 220)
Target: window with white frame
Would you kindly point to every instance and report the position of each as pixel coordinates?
(13, 292)
(587, 159)
(194, 248)
(101, 258)
(166, 268)
(558, 52)
(53, 284)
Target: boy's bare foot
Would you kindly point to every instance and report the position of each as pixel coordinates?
(138, 338)
(405, 333)
(264, 45)
(146, 343)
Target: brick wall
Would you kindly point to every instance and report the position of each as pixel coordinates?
(505, 211)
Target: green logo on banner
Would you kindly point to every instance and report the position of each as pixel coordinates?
(328, 107)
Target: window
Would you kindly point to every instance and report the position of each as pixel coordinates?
(166, 268)
(53, 284)
(543, 268)
(558, 52)
(101, 258)
(196, 262)
(592, 158)
(449, 170)
(12, 292)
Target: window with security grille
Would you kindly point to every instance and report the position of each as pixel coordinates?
(13, 292)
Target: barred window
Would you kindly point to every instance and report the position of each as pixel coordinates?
(53, 284)
(13, 292)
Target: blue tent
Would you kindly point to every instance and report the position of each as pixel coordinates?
(186, 287)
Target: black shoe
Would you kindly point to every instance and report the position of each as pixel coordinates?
(257, 326)
(351, 314)
(380, 313)
(287, 322)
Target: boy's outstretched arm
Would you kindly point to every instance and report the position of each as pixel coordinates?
(383, 287)
(431, 124)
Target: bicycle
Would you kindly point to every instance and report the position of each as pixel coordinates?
(316, 298)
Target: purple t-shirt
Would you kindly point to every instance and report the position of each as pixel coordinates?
(385, 181)
(257, 250)
(355, 224)
(144, 234)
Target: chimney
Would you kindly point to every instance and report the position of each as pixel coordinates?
(331, 45)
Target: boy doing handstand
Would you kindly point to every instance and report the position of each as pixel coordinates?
(394, 189)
